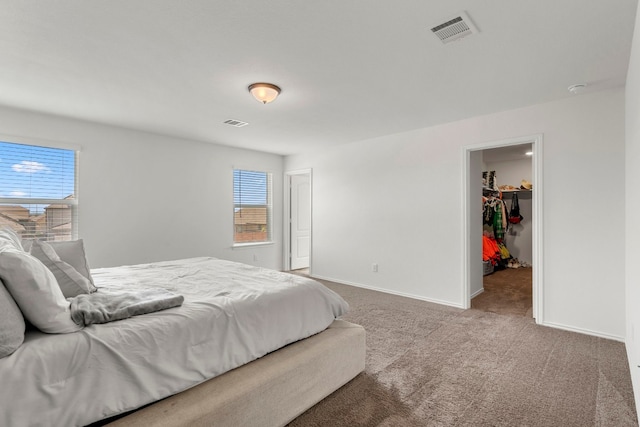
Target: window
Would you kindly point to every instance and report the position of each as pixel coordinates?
(37, 191)
(251, 206)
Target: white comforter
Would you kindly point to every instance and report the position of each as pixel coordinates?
(232, 314)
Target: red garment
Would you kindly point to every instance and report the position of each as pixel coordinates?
(490, 250)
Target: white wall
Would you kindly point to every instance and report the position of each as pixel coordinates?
(512, 172)
(632, 209)
(146, 197)
(396, 201)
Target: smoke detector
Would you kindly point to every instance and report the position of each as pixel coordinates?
(454, 28)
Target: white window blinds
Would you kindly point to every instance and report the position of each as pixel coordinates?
(37, 191)
(252, 206)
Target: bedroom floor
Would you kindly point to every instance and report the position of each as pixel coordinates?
(433, 365)
(506, 291)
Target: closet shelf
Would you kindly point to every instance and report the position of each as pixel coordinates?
(523, 194)
(487, 190)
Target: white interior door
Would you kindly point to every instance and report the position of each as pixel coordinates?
(300, 221)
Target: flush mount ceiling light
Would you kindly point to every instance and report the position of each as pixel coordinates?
(577, 88)
(264, 92)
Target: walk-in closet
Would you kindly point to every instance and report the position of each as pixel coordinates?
(506, 231)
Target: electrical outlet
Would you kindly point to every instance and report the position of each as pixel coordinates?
(374, 267)
(255, 257)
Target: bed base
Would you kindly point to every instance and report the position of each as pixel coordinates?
(270, 391)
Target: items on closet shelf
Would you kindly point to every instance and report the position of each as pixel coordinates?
(489, 180)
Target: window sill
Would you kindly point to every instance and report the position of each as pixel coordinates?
(250, 245)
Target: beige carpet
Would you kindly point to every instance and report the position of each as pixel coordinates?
(507, 291)
(431, 365)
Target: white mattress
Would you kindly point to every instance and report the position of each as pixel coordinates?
(232, 314)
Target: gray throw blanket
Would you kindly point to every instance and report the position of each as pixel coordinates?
(99, 307)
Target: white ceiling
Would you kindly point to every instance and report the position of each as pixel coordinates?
(349, 70)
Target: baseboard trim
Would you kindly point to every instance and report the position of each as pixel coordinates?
(450, 304)
(583, 331)
(476, 293)
(387, 291)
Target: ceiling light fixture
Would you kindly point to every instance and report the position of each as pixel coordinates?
(577, 88)
(264, 92)
(529, 153)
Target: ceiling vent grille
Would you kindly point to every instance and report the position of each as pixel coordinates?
(236, 123)
(454, 28)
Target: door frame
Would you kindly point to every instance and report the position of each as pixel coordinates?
(537, 220)
(286, 255)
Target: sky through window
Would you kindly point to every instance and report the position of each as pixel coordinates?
(33, 172)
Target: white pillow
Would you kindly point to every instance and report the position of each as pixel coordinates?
(35, 290)
(72, 252)
(8, 236)
(11, 324)
(71, 282)
(26, 245)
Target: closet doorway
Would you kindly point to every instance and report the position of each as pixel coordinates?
(517, 273)
(298, 221)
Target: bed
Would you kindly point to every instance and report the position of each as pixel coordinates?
(248, 346)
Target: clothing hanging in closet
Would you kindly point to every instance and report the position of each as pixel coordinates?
(495, 224)
(494, 214)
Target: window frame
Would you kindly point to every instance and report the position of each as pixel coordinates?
(72, 203)
(269, 208)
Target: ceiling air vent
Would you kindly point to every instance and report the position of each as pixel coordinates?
(236, 123)
(455, 28)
